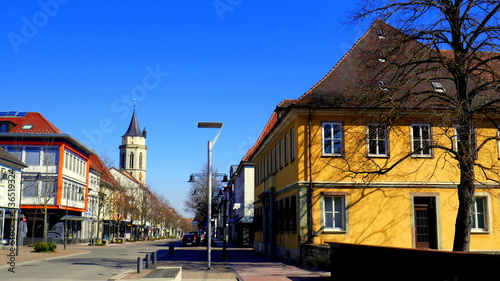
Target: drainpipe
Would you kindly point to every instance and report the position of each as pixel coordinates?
(310, 187)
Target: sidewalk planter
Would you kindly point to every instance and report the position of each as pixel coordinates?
(361, 262)
(45, 247)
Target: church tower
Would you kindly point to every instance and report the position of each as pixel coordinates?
(133, 151)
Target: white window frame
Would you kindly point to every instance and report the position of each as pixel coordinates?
(292, 144)
(377, 139)
(485, 213)
(421, 140)
(342, 212)
(332, 139)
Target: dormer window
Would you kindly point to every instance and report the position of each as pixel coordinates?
(383, 85)
(438, 87)
(381, 57)
(6, 126)
(381, 34)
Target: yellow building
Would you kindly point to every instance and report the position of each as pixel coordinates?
(331, 166)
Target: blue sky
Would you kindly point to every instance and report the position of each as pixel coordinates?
(81, 64)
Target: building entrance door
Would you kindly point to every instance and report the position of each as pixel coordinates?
(425, 234)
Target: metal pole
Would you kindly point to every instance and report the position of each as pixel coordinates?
(65, 238)
(209, 211)
(139, 264)
(224, 222)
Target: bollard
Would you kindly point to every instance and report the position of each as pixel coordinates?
(147, 260)
(155, 257)
(139, 265)
(170, 249)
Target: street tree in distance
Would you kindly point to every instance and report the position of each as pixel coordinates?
(196, 202)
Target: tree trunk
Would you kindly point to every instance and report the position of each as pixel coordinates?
(463, 222)
(45, 225)
(466, 156)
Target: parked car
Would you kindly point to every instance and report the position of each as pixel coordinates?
(189, 240)
(198, 237)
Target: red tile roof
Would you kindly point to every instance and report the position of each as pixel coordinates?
(383, 53)
(398, 60)
(39, 123)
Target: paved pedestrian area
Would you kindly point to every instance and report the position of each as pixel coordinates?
(237, 264)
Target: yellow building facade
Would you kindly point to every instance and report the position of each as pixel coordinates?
(334, 173)
(297, 183)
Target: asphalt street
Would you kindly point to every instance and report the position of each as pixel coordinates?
(99, 263)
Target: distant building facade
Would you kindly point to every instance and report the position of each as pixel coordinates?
(55, 183)
(240, 192)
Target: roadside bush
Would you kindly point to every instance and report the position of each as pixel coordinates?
(44, 247)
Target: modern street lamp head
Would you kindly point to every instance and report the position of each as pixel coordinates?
(216, 125)
(191, 178)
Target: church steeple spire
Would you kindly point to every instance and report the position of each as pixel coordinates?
(133, 129)
(133, 150)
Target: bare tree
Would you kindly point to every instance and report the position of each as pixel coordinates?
(196, 203)
(456, 44)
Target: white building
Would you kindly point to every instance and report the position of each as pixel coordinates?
(10, 194)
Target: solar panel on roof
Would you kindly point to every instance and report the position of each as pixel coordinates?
(3, 113)
(22, 113)
(12, 113)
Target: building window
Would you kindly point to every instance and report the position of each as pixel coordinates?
(479, 215)
(334, 213)
(381, 34)
(292, 144)
(438, 87)
(276, 158)
(281, 153)
(456, 139)
(332, 139)
(140, 160)
(377, 140)
(48, 189)
(15, 150)
(286, 149)
(383, 86)
(293, 213)
(50, 156)
(131, 160)
(32, 156)
(30, 188)
(421, 140)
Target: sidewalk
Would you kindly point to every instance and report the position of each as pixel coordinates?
(239, 264)
(26, 254)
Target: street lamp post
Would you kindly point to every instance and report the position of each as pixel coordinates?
(216, 125)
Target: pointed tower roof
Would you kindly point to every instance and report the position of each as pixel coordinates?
(133, 129)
